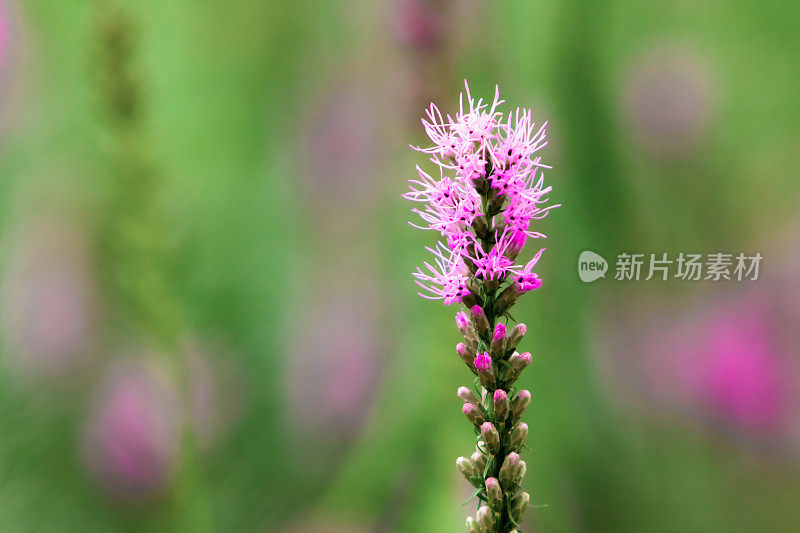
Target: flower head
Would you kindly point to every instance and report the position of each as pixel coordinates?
(489, 193)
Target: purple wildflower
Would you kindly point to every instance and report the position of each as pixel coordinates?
(489, 177)
(484, 204)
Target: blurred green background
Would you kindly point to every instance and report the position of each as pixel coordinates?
(208, 319)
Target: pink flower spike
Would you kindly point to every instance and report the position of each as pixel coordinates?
(485, 205)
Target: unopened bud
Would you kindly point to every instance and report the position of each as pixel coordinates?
(491, 284)
(519, 361)
(462, 321)
(479, 460)
(466, 394)
(508, 471)
(507, 298)
(483, 366)
(473, 414)
(469, 300)
(519, 504)
(494, 494)
(467, 355)
(523, 467)
(498, 345)
(486, 518)
(514, 338)
(491, 437)
(472, 526)
(501, 405)
(468, 469)
(519, 404)
(481, 184)
(479, 321)
(481, 226)
(518, 436)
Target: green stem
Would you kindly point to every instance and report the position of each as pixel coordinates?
(491, 207)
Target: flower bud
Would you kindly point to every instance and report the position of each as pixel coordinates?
(501, 405)
(462, 321)
(479, 459)
(472, 526)
(516, 335)
(467, 355)
(491, 284)
(523, 467)
(474, 414)
(498, 345)
(518, 436)
(491, 437)
(469, 300)
(519, 361)
(468, 469)
(519, 404)
(519, 504)
(481, 184)
(494, 494)
(486, 518)
(483, 366)
(508, 472)
(466, 394)
(481, 226)
(479, 321)
(507, 298)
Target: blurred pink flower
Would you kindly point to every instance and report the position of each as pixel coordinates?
(339, 147)
(668, 101)
(721, 361)
(48, 300)
(131, 438)
(740, 372)
(333, 365)
(3, 32)
(417, 24)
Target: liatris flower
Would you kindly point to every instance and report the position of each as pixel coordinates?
(489, 192)
(131, 440)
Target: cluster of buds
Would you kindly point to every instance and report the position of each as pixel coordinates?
(489, 193)
(494, 409)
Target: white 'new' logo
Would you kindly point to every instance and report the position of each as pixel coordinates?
(591, 266)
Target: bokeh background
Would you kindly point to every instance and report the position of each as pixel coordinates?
(208, 320)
